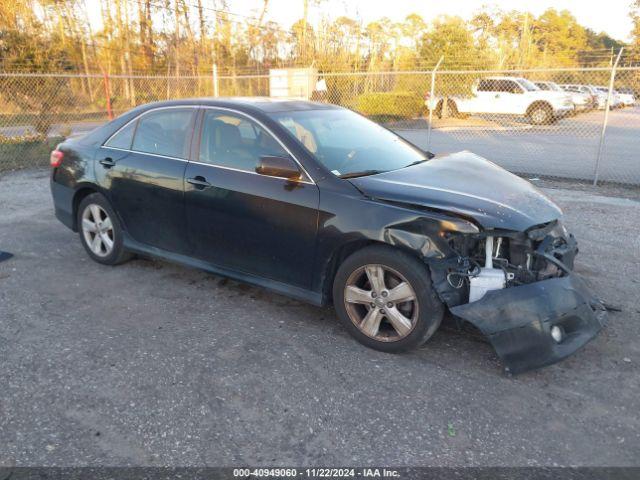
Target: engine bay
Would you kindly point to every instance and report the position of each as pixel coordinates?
(493, 260)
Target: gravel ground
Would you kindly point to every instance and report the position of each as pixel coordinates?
(154, 364)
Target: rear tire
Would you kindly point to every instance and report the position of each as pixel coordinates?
(100, 231)
(438, 110)
(385, 299)
(541, 115)
(453, 110)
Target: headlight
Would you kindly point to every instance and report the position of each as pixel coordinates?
(559, 230)
(458, 225)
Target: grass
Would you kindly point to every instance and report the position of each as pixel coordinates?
(18, 153)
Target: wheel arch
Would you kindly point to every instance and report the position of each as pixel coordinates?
(539, 103)
(341, 253)
(82, 192)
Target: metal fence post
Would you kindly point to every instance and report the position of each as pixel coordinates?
(607, 104)
(431, 98)
(107, 94)
(215, 79)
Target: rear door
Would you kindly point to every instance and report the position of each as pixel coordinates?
(239, 219)
(142, 168)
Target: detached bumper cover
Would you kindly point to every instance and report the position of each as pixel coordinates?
(517, 320)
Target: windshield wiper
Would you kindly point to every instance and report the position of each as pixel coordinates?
(362, 173)
(417, 162)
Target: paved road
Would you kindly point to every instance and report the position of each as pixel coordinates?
(566, 149)
(154, 364)
(57, 129)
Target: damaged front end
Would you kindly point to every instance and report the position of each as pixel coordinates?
(520, 291)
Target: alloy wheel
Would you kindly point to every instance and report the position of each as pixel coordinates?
(539, 116)
(381, 303)
(97, 229)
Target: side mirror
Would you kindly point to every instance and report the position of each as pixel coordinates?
(283, 167)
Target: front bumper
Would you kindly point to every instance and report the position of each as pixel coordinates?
(518, 320)
(563, 110)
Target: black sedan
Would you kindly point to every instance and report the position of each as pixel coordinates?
(317, 202)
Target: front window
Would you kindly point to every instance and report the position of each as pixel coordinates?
(347, 143)
(527, 85)
(234, 141)
(509, 86)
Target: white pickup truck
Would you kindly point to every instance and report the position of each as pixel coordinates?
(508, 96)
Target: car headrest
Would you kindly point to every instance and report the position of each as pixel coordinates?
(227, 137)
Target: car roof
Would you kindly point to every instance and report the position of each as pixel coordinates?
(505, 77)
(248, 104)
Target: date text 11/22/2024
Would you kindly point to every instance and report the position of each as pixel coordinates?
(316, 472)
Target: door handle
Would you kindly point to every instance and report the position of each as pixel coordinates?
(107, 162)
(199, 182)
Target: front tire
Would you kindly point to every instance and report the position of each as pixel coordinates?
(385, 299)
(100, 231)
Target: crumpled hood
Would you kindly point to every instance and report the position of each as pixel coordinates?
(466, 184)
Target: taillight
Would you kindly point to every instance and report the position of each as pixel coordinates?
(56, 158)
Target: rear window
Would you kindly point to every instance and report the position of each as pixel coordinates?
(487, 85)
(164, 132)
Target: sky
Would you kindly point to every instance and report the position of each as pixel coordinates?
(611, 16)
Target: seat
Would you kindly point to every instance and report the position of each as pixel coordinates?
(230, 150)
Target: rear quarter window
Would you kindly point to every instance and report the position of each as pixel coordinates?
(123, 138)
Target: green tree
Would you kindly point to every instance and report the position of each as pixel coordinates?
(453, 38)
(559, 37)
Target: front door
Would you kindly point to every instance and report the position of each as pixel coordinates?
(241, 220)
(142, 170)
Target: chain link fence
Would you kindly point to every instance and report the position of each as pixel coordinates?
(579, 124)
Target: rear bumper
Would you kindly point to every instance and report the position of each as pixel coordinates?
(63, 203)
(518, 320)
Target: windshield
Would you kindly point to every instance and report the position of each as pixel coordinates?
(347, 143)
(528, 85)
